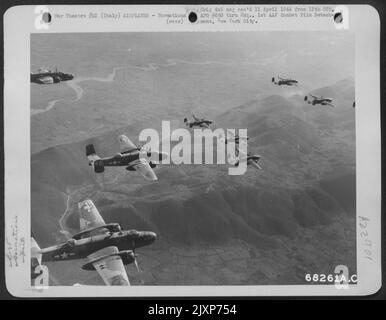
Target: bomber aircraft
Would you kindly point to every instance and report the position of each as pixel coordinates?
(319, 100)
(44, 76)
(200, 123)
(234, 137)
(131, 156)
(251, 159)
(286, 82)
(106, 247)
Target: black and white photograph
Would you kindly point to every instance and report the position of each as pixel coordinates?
(209, 158)
(295, 216)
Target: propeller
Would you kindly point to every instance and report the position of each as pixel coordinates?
(136, 262)
(147, 151)
(138, 268)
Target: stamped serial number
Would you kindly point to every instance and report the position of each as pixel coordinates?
(330, 278)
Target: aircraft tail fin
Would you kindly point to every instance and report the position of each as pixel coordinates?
(91, 154)
(273, 79)
(36, 256)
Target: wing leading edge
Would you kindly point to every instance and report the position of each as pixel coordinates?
(89, 216)
(143, 167)
(126, 144)
(108, 263)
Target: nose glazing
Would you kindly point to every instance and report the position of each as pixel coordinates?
(151, 236)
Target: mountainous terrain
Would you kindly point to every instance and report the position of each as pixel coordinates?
(272, 226)
(306, 187)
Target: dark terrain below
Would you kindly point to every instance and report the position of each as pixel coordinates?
(296, 216)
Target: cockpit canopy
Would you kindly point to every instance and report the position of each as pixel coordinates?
(111, 227)
(133, 233)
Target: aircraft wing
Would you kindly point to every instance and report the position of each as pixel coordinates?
(110, 267)
(126, 144)
(89, 216)
(315, 97)
(143, 167)
(255, 164)
(195, 118)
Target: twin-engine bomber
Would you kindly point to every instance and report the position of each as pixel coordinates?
(134, 158)
(285, 82)
(319, 100)
(252, 160)
(44, 76)
(197, 122)
(106, 247)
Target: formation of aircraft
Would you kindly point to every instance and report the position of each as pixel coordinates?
(319, 100)
(314, 101)
(44, 76)
(130, 156)
(199, 123)
(283, 81)
(106, 247)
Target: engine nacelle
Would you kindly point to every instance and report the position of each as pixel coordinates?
(99, 167)
(127, 257)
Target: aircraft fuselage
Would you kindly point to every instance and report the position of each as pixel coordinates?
(287, 82)
(121, 159)
(79, 249)
(56, 77)
(322, 101)
(202, 124)
(253, 158)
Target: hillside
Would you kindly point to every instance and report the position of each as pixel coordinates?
(307, 189)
